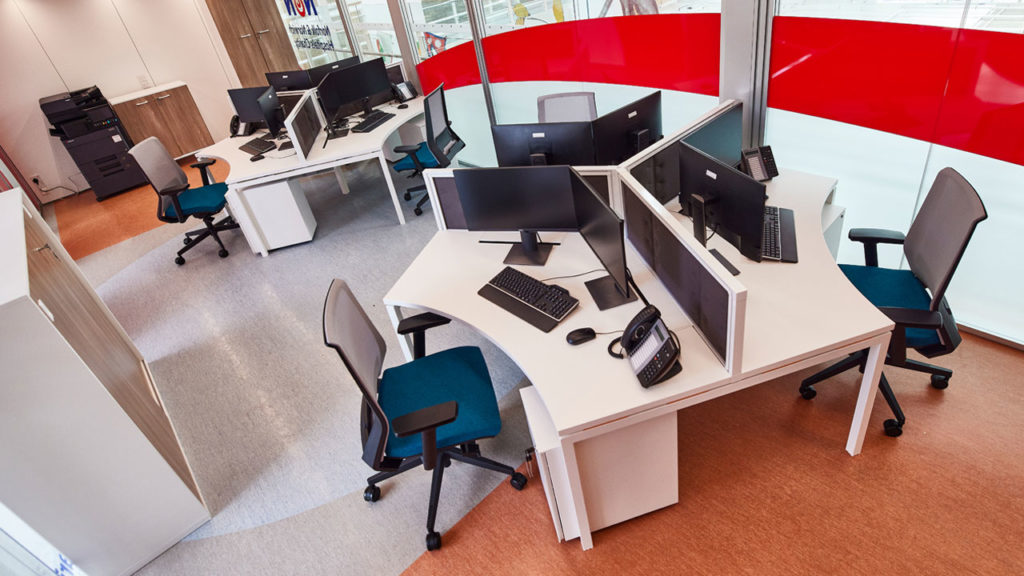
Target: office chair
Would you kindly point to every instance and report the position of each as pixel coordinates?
(933, 247)
(566, 107)
(429, 411)
(177, 200)
(438, 151)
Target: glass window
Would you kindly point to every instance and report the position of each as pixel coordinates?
(315, 30)
(373, 30)
(437, 25)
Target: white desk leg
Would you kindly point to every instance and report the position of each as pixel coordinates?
(576, 488)
(339, 173)
(404, 342)
(250, 229)
(866, 396)
(391, 187)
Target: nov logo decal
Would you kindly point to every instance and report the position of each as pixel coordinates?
(300, 8)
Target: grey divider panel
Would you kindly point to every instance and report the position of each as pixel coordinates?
(599, 182)
(692, 286)
(659, 173)
(451, 207)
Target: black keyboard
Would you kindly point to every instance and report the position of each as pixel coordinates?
(376, 118)
(257, 146)
(771, 240)
(540, 304)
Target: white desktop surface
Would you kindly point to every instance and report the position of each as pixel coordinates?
(796, 315)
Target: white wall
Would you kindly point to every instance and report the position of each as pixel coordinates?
(51, 46)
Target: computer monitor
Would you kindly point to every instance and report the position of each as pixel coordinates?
(358, 83)
(623, 133)
(721, 137)
(601, 228)
(527, 199)
(317, 74)
(304, 125)
(724, 199)
(270, 108)
(245, 102)
(568, 143)
(290, 81)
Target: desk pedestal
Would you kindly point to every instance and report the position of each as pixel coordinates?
(273, 215)
(620, 474)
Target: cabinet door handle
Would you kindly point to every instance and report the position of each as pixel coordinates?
(261, 32)
(164, 96)
(45, 246)
(245, 35)
(141, 103)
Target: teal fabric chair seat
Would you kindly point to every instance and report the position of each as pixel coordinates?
(422, 154)
(885, 287)
(458, 374)
(205, 200)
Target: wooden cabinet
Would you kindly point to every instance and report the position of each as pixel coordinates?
(167, 112)
(90, 459)
(254, 37)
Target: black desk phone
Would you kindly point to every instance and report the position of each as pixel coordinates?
(759, 163)
(652, 349)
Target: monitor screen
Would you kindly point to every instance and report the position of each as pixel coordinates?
(271, 110)
(623, 133)
(290, 80)
(519, 198)
(734, 202)
(601, 228)
(720, 137)
(353, 84)
(304, 125)
(245, 102)
(569, 143)
(317, 74)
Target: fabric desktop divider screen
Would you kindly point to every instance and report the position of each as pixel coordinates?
(714, 300)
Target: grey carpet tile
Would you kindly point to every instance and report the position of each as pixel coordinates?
(267, 415)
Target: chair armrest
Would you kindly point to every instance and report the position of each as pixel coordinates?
(421, 322)
(425, 421)
(204, 171)
(417, 325)
(173, 191)
(408, 149)
(871, 238)
(912, 318)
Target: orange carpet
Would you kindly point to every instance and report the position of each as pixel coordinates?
(86, 226)
(767, 488)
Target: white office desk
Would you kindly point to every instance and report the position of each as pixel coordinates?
(263, 196)
(611, 444)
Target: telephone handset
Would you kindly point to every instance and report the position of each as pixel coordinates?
(652, 349)
(759, 163)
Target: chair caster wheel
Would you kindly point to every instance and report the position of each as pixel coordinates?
(518, 481)
(179, 260)
(418, 211)
(188, 240)
(940, 382)
(808, 392)
(893, 428)
(433, 541)
(371, 494)
(407, 196)
(223, 253)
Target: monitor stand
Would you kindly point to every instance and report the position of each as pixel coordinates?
(529, 251)
(606, 293)
(698, 213)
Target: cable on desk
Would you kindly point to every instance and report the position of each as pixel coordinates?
(629, 278)
(573, 275)
(713, 232)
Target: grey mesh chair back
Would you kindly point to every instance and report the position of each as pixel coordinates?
(567, 107)
(160, 168)
(941, 230)
(349, 331)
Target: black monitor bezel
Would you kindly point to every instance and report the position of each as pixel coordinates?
(303, 80)
(345, 88)
(474, 184)
(245, 97)
(273, 116)
(318, 73)
(615, 131)
(619, 275)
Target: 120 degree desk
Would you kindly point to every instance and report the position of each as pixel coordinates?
(264, 197)
(587, 413)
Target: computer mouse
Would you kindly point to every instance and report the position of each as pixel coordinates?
(580, 335)
(403, 106)
(255, 157)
